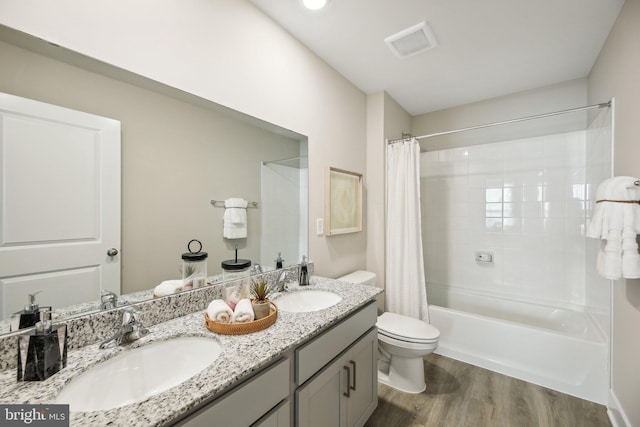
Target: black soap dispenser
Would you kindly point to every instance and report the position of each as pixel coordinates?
(304, 272)
(279, 261)
(42, 352)
(29, 316)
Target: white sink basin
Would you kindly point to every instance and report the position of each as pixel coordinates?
(137, 374)
(305, 301)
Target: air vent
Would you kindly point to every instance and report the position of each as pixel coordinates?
(412, 41)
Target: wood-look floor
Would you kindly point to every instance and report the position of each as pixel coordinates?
(461, 395)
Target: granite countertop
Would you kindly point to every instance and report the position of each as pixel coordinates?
(241, 356)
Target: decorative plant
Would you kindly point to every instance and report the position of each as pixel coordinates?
(260, 290)
(189, 269)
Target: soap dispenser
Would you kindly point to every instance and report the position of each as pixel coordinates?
(29, 316)
(304, 272)
(279, 261)
(42, 351)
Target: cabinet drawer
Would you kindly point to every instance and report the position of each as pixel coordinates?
(245, 404)
(311, 357)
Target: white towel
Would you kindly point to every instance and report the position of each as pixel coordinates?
(235, 202)
(243, 312)
(219, 311)
(235, 218)
(618, 224)
(167, 287)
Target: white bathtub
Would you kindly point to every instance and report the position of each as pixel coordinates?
(561, 349)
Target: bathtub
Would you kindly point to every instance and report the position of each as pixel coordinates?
(561, 349)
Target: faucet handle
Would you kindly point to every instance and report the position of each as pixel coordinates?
(108, 300)
(130, 316)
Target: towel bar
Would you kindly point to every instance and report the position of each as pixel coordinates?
(220, 204)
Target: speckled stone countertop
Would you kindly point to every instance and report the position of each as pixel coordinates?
(241, 356)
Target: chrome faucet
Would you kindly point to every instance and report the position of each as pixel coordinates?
(281, 284)
(108, 300)
(130, 330)
(256, 269)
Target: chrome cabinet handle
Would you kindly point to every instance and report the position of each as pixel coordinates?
(354, 374)
(348, 392)
(112, 252)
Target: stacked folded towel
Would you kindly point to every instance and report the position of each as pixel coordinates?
(235, 218)
(219, 311)
(243, 312)
(168, 287)
(618, 223)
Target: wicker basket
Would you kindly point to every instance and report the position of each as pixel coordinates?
(243, 328)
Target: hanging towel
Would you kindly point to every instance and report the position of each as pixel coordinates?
(235, 218)
(616, 221)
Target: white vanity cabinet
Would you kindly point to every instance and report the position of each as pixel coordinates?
(248, 402)
(329, 381)
(344, 392)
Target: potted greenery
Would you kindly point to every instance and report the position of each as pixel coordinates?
(260, 290)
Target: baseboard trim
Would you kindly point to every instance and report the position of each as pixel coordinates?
(615, 412)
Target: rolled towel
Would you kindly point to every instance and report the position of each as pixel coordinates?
(243, 312)
(219, 311)
(167, 287)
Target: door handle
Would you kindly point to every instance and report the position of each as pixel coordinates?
(354, 374)
(112, 252)
(348, 392)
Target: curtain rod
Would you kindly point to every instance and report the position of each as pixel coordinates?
(505, 122)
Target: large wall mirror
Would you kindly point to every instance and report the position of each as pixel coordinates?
(178, 153)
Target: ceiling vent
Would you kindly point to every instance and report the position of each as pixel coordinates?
(412, 41)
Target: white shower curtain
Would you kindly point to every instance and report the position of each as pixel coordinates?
(405, 291)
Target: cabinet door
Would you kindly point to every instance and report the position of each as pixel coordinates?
(320, 400)
(363, 384)
(346, 392)
(278, 417)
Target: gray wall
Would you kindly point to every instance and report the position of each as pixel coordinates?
(209, 51)
(616, 73)
(175, 158)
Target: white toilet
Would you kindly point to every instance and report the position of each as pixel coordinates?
(403, 340)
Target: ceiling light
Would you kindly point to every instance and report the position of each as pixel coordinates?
(314, 4)
(412, 41)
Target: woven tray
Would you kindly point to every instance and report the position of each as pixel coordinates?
(243, 328)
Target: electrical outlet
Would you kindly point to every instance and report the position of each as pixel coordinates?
(320, 226)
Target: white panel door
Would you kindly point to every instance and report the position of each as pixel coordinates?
(60, 204)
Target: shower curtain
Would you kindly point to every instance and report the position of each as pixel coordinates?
(405, 290)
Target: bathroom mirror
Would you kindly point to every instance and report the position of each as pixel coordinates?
(178, 153)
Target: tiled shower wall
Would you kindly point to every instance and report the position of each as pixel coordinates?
(524, 201)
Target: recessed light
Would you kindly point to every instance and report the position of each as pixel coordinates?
(314, 4)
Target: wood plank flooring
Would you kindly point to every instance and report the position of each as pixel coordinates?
(462, 395)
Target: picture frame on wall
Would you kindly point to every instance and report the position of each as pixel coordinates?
(343, 202)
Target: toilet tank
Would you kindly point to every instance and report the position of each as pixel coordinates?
(360, 277)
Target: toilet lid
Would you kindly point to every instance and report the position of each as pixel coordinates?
(406, 328)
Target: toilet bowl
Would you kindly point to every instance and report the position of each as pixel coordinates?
(404, 340)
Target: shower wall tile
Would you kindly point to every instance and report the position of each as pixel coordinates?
(599, 156)
(522, 200)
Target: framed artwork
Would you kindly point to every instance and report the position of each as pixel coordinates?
(343, 203)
